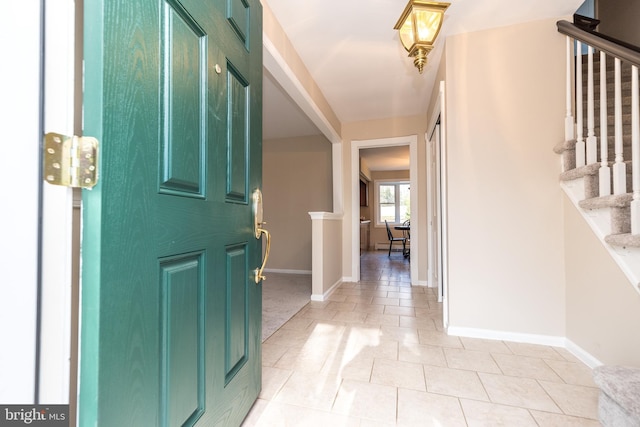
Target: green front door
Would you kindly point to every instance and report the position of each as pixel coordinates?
(171, 313)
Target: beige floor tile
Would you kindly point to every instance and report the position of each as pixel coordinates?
(414, 322)
(337, 297)
(366, 400)
(421, 409)
(575, 373)
(428, 313)
(423, 304)
(350, 317)
(400, 294)
(256, 412)
(382, 319)
(317, 313)
(526, 367)
(358, 299)
(400, 311)
(368, 308)
(271, 353)
(327, 367)
(385, 301)
(546, 419)
(399, 334)
(491, 346)
(513, 391)
(454, 382)
(284, 415)
(311, 390)
(298, 323)
(371, 423)
(434, 337)
(302, 359)
(272, 380)
(357, 368)
(384, 350)
(341, 306)
(398, 374)
(425, 354)
(438, 324)
(534, 350)
(574, 400)
(471, 360)
(484, 414)
(289, 337)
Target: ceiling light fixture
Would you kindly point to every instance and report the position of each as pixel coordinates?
(419, 26)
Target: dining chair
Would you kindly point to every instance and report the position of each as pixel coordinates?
(392, 239)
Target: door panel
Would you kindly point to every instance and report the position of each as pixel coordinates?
(171, 313)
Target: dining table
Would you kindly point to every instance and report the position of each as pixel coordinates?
(406, 232)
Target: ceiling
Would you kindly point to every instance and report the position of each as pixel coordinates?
(355, 57)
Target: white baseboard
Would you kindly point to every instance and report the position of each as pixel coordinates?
(285, 271)
(584, 356)
(422, 283)
(549, 340)
(327, 294)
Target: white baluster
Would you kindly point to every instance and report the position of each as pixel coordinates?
(580, 144)
(568, 121)
(635, 152)
(619, 168)
(605, 170)
(592, 142)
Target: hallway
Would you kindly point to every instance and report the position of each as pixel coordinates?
(375, 354)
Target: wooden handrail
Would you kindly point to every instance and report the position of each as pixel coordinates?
(625, 51)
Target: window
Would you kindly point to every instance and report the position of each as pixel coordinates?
(392, 202)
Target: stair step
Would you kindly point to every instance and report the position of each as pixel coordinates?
(580, 172)
(626, 240)
(613, 201)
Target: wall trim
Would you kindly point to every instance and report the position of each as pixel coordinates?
(549, 340)
(327, 294)
(584, 356)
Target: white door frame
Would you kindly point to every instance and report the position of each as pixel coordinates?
(438, 120)
(20, 30)
(356, 146)
(59, 109)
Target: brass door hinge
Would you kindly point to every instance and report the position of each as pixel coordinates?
(71, 161)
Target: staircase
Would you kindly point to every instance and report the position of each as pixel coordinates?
(597, 162)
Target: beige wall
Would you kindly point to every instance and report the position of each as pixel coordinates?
(387, 128)
(505, 109)
(603, 309)
(296, 180)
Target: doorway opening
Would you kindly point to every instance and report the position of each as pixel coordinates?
(412, 142)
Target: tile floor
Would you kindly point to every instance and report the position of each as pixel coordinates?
(375, 354)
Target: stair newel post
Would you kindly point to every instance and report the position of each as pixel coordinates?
(605, 170)
(619, 168)
(635, 152)
(569, 124)
(580, 144)
(592, 142)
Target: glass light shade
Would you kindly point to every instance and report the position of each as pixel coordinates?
(419, 26)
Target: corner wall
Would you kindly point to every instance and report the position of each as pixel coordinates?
(603, 309)
(505, 108)
(296, 179)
